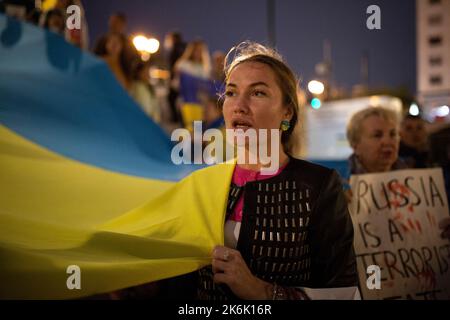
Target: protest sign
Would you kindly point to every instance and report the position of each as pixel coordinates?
(395, 217)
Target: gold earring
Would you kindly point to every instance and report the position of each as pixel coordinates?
(285, 125)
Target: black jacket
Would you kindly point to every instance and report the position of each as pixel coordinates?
(296, 231)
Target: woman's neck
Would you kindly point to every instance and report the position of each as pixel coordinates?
(283, 158)
(380, 168)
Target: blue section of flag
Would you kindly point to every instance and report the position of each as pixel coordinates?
(68, 101)
(341, 166)
(192, 88)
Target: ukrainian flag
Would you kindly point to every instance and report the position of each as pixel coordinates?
(192, 90)
(86, 178)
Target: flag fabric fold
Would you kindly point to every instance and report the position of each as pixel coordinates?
(86, 179)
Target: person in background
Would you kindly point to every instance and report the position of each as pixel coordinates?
(117, 23)
(217, 74)
(174, 46)
(440, 156)
(413, 141)
(213, 117)
(34, 16)
(373, 133)
(195, 60)
(143, 92)
(19, 9)
(112, 51)
(192, 79)
(77, 37)
(54, 21)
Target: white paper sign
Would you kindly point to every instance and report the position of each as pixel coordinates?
(395, 217)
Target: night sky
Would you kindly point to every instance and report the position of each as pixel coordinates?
(301, 26)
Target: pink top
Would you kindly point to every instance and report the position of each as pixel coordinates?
(240, 177)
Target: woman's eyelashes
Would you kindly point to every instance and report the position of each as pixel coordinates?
(229, 93)
(259, 93)
(255, 93)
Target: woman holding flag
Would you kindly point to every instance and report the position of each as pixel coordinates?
(280, 235)
(287, 231)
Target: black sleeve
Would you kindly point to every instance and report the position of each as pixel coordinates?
(333, 262)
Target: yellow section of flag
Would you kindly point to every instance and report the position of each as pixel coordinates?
(119, 230)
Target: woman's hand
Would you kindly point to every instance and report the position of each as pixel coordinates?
(230, 268)
(444, 224)
(348, 195)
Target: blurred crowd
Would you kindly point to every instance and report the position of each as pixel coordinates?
(186, 82)
(53, 19)
(174, 87)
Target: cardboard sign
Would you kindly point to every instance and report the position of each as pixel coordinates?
(400, 253)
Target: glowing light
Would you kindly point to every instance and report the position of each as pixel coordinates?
(152, 45)
(316, 103)
(316, 87)
(144, 44)
(443, 111)
(140, 42)
(414, 109)
(145, 56)
(159, 73)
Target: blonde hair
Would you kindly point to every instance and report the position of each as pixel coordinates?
(248, 51)
(354, 125)
(188, 55)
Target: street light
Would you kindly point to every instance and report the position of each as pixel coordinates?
(443, 111)
(146, 46)
(316, 103)
(316, 87)
(140, 42)
(152, 45)
(414, 109)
